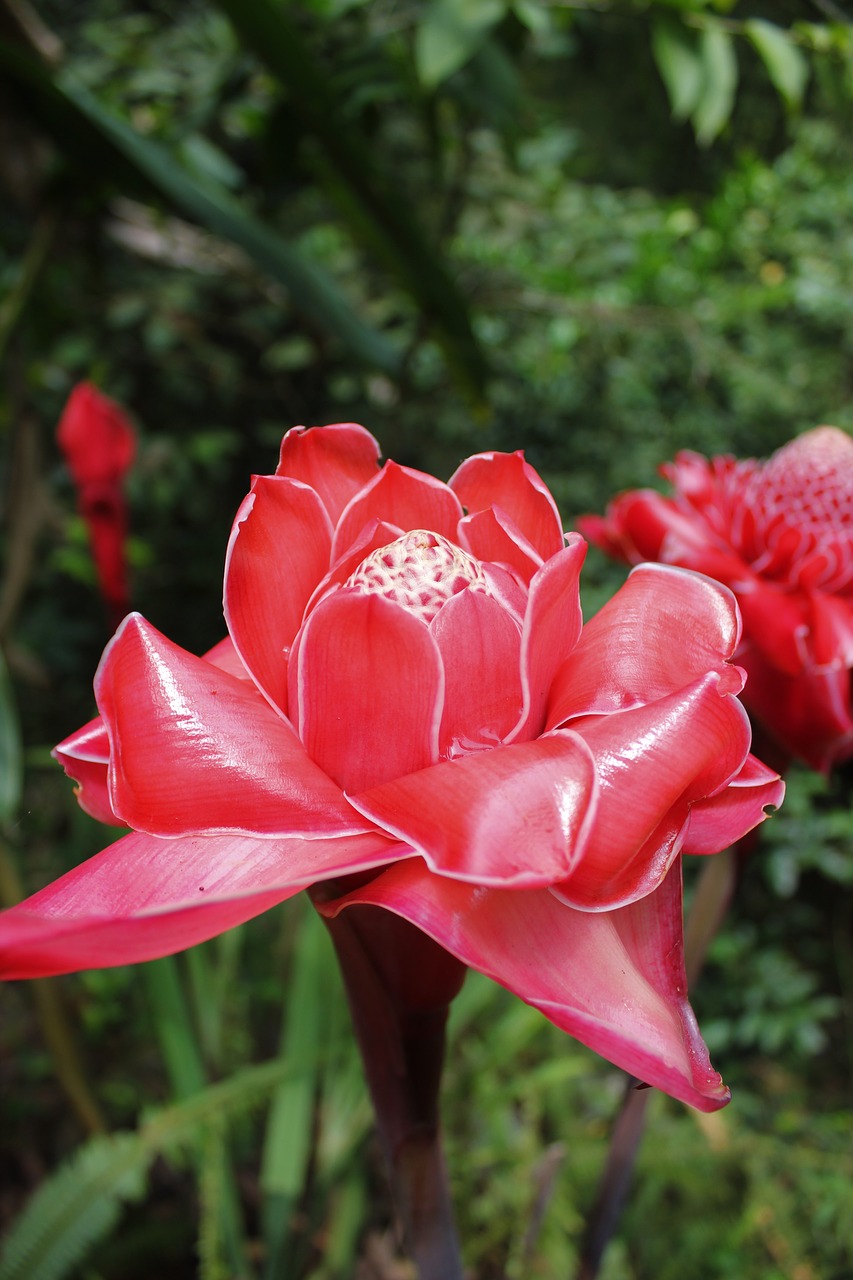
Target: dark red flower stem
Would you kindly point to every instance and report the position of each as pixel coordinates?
(399, 985)
(714, 893)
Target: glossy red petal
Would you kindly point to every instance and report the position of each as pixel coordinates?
(84, 756)
(336, 461)
(652, 762)
(402, 497)
(719, 822)
(662, 630)
(279, 550)
(552, 627)
(489, 535)
(480, 647)
(194, 750)
(516, 816)
(614, 981)
(368, 688)
(507, 482)
(145, 897)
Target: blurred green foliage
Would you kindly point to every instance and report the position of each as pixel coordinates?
(600, 234)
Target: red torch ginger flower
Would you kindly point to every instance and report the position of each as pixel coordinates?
(409, 715)
(99, 445)
(779, 534)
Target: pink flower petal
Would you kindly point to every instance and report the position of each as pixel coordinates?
(506, 481)
(652, 763)
(517, 816)
(719, 822)
(336, 461)
(145, 897)
(662, 630)
(278, 552)
(490, 535)
(224, 656)
(614, 981)
(368, 687)
(552, 626)
(402, 497)
(375, 534)
(480, 647)
(84, 756)
(810, 714)
(194, 750)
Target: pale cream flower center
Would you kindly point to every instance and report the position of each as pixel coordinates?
(420, 571)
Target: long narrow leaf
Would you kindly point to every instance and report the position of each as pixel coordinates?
(386, 218)
(58, 96)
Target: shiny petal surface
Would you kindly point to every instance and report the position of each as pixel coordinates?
(84, 756)
(652, 762)
(489, 535)
(516, 816)
(480, 647)
(614, 981)
(279, 550)
(402, 497)
(336, 461)
(552, 626)
(663, 630)
(145, 897)
(194, 750)
(507, 482)
(718, 822)
(368, 685)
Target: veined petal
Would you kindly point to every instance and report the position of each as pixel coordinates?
(480, 647)
(336, 461)
(614, 981)
(145, 897)
(402, 497)
(517, 816)
(194, 750)
(491, 536)
(726, 817)
(664, 629)
(278, 551)
(652, 763)
(506, 481)
(552, 626)
(368, 686)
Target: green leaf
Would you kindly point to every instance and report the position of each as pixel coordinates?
(680, 65)
(11, 766)
(75, 1208)
(449, 34)
(72, 113)
(371, 199)
(719, 82)
(80, 1203)
(785, 64)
